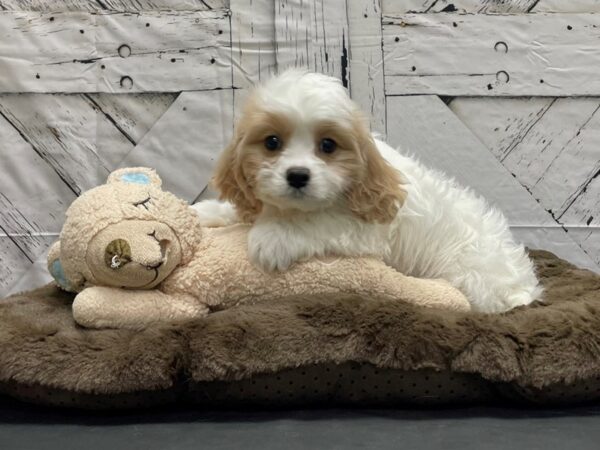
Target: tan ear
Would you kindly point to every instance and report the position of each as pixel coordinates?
(135, 175)
(231, 182)
(377, 194)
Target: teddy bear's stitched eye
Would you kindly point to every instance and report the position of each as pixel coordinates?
(117, 254)
(144, 203)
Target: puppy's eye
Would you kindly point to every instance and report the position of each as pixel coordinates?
(327, 145)
(272, 143)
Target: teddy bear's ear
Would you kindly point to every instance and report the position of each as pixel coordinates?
(57, 271)
(135, 175)
(55, 267)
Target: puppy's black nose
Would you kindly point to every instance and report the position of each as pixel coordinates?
(298, 177)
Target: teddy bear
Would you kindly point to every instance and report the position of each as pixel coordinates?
(136, 255)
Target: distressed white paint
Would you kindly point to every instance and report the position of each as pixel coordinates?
(428, 129)
(501, 123)
(528, 54)
(313, 35)
(133, 115)
(110, 5)
(366, 61)
(79, 52)
(33, 199)
(459, 6)
(185, 142)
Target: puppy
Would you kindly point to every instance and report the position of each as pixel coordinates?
(304, 168)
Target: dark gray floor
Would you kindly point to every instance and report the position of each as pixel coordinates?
(29, 427)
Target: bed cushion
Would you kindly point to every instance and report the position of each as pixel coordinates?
(313, 351)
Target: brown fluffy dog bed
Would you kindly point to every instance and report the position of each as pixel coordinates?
(300, 351)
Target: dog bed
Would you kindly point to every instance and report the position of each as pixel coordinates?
(313, 351)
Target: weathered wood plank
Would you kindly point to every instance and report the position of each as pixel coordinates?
(579, 6)
(145, 52)
(253, 37)
(589, 239)
(558, 157)
(585, 210)
(29, 275)
(252, 45)
(427, 128)
(312, 35)
(13, 264)
(133, 115)
(63, 130)
(185, 142)
(501, 123)
(33, 199)
(458, 6)
(110, 5)
(541, 141)
(492, 55)
(366, 60)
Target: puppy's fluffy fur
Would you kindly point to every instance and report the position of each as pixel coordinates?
(362, 197)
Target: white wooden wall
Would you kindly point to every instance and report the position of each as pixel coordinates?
(502, 94)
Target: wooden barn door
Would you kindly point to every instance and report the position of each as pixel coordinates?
(500, 94)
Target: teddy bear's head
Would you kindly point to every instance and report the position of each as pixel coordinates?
(127, 233)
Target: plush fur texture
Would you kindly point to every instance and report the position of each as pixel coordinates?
(137, 256)
(359, 197)
(545, 344)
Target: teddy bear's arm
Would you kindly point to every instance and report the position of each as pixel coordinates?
(107, 307)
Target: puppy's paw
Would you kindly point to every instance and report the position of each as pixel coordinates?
(213, 213)
(269, 252)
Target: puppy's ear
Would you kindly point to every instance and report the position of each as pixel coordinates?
(377, 193)
(231, 182)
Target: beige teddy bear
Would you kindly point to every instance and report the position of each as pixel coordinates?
(137, 255)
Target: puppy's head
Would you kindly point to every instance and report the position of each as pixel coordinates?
(302, 144)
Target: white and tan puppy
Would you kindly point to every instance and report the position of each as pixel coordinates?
(304, 168)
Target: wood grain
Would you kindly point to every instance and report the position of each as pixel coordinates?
(459, 6)
(427, 128)
(84, 52)
(491, 55)
(133, 114)
(313, 35)
(185, 142)
(110, 5)
(366, 61)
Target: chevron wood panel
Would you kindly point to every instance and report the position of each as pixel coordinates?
(61, 133)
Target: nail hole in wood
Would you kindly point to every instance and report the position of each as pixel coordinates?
(103, 67)
(126, 82)
(454, 24)
(413, 68)
(212, 60)
(397, 39)
(502, 76)
(220, 31)
(173, 60)
(81, 31)
(541, 81)
(51, 19)
(37, 75)
(124, 51)
(365, 15)
(185, 108)
(147, 24)
(501, 47)
(489, 86)
(569, 27)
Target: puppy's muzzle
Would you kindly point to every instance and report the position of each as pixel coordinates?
(298, 177)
